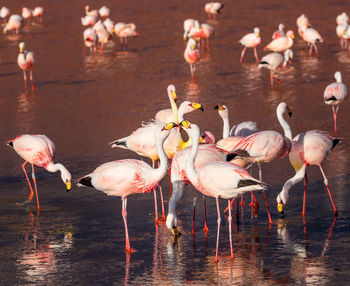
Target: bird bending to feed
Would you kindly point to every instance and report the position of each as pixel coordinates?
(88, 20)
(192, 55)
(279, 33)
(218, 179)
(26, 62)
(201, 33)
(273, 61)
(126, 177)
(265, 146)
(282, 43)
(14, 24)
(91, 12)
(334, 94)
(38, 13)
(27, 14)
(251, 40)
(125, 31)
(302, 20)
(104, 12)
(311, 36)
(38, 150)
(213, 8)
(308, 148)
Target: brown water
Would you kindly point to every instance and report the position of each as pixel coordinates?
(82, 103)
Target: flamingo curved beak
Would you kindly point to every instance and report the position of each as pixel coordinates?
(69, 186)
(280, 208)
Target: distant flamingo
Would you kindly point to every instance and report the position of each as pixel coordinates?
(27, 14)
(104, 12)
(38, 13)
(251, 40)
(91, 12)
(218, 179)
(38, 150)
(311, 36)
(188, 25)
(302, 20)
(308, 148)
(213, 8)
(342, 29)
(125, 31)
(90, 39)
(89, 20)
(126, 177)
(273, 61)
(334, 94)
(4, 13)
(14, 23)
(26, 62)
(192, 55)
(279, 33)
(267, 145)
(282, 43)
(202, 33)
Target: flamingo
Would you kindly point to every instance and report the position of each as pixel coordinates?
(342, 28)
(104, 12)
(38, 150)
(302, 20)
(273, 61)
(188, 24)
(103, 35)
(109, 25)
(251, 40)
(169, 114)
(4, 13)
(213, 8)
(125, 31)
(311, 36)
(279, 33)
(38, 13)
(26, 62)
(14, 23)
(91, 12)
(201, 32)
(27, 14)
(308, 148)
(282, 43)
(192, 55)
(334, 94)
(90, 39)
(88, 20)
(267, 145)
(218, 179)
(126, 177)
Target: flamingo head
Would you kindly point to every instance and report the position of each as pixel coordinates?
(290, 34)
(22, 45)
(257, 31)
(284, 108)
(281, 27)
(223, 110)
(172, 91)
(337, 76)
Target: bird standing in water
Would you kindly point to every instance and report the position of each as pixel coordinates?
(192, 55)
(26, 62)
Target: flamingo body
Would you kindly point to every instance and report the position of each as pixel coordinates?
(192, 55)
(251, 40)
(14, 23)
(282, 43)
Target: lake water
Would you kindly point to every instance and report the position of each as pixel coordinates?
(84, 102)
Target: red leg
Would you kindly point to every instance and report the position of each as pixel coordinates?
(271, 78)
(124, 214)
(31, 79)
(316, 50)
(310, 50)
(305, 186)
(242, 54)
(162, 201)
(232, 202)
(335, 118)
(205, 215)
(329, 191)
(242, 202)
(230, 227)
(218, 231)
(25, 79)
(36, 190)
(208, 45)
(155, 201)
(30, 186)
(194, 213)
(256, 55)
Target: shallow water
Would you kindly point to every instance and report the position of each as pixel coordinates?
(84, 102)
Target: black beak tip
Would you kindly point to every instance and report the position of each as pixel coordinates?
(201, 108)
(216, 106)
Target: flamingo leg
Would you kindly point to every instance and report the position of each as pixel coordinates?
(208, 45)
(230, 226)
(231, 205)
(31, 79)
(310, 50)
(316, 50)
(30, 186)
(271, 78)
(205, 229)
(192, 71)
(329, 191)
(124, 214)
(335, 112)
(256, 54)
(218, 231)
(194, 212)
(161, 199)
(25, 79)
(242, 54)
(305, 186)
(36, 190)
(155, 201)
(266, 204)
(242, 202)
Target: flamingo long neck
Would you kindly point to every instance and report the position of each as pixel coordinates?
(174, 109)
(284, 194)
(286, 128)
(160, 172)
(51, 167)
(189, 167)
(226, 127)
(181, 112)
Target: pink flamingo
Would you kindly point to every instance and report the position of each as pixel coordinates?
(4, 13)
(342, 29)
(334, 94)
(104, 12)
(14, 23)
(308, 148)
(89, 20)
(201, 32)
(125, 31)
(282, 43)
(169, 114)
(91, 12)
(126, 177)
(267, 145)
(90, 39)
(213, 8)
(27, 14)
(26, 62)
(311, 36)
(38, 150)
(302, 20)
(279, 33)
(38, 13)
(218, 179)
(192, 55)
(273, 61)
(251, 40)
(188, 25)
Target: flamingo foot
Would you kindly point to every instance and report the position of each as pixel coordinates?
(130, 250)
(205, 228)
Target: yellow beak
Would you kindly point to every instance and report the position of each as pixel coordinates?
(69, 186)
(185, 123)
(258, 34)
(280, 207)
(173, 93)
(170, 125)
(197, 105)
(192, 47)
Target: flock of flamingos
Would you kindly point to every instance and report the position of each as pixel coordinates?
(215, 169)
